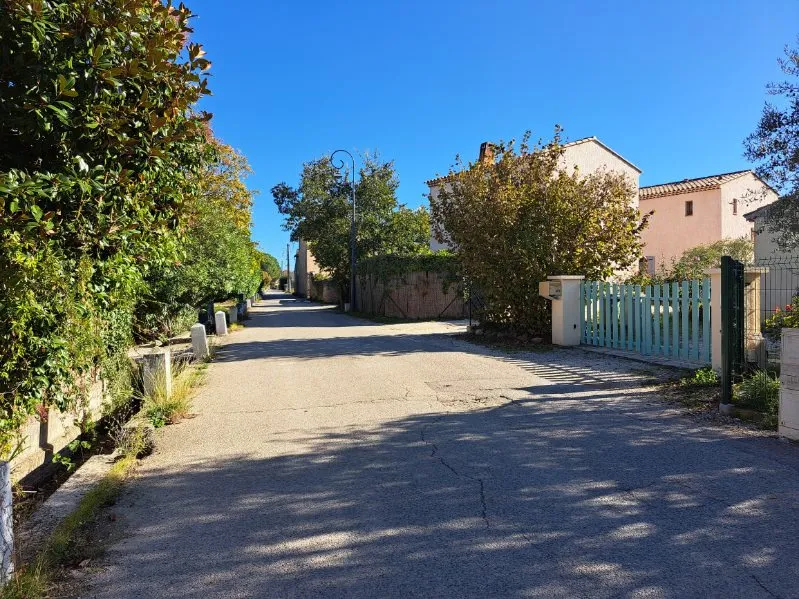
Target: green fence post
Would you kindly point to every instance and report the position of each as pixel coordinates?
(732, 322)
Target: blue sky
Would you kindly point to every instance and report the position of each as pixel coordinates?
(674, 86)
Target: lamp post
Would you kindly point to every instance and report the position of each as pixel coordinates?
(339, 166)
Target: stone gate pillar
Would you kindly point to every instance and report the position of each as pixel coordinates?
(564, 293)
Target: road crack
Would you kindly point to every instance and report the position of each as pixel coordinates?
(462, 475)
(764, 587)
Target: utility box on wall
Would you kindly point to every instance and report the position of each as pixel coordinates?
(789, 385)
(551, 290)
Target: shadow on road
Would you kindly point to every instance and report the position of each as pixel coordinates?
(516, 501)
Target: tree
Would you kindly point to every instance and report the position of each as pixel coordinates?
(775, 145)
(223, 183)
(270, 267)
(319, 212)
(216, 261)
(99, 144)
(522, 218)
(695, 261)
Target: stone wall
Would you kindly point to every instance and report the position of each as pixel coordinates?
(415, 296)
(42, 436)
(326, 292)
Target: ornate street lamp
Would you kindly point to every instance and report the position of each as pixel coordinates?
(339, 165)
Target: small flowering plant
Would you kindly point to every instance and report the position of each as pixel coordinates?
(781, 318)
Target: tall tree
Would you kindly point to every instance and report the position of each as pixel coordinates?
(775, 145)
(319, 212)
(522, 218)
(216, 259)
(270, 266)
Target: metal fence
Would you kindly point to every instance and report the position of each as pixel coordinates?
(475, 302)
(671, 320)
(770, 304)
(763, 300)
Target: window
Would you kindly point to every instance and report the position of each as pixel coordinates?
(689, 208)
(646, 265)
(735, 206)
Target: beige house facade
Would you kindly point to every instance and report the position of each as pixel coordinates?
(305, 267)
(766, 247)
(698, 211)
(586, 155)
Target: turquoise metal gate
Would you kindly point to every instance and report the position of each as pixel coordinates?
(671, 320)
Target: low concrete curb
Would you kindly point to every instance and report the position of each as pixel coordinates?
(61, 504)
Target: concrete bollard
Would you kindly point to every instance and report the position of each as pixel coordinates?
(199, 341)
(6, 523)
(249, 305)
(233, 314)
(221, 323)
(157, 371)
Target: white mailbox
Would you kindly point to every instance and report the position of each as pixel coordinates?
(551, 290)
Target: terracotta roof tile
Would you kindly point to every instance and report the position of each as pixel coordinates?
(688, 185)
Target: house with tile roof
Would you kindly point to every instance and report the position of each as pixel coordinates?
(698, 211)
(587, 155)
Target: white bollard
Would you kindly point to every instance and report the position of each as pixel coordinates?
(199, 341)
(233, 314)
(6, 524)
(221, 323)
(157, 370)
(249, 306)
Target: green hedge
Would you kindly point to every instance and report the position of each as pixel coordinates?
(393, 266)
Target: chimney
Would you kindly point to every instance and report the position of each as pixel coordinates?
(486, 153)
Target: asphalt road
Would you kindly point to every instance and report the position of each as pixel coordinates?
(334, 457)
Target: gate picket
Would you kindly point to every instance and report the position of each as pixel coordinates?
(694, 353)
(684, 331)
(657, 298)
(706, 321)
(670, 319)
(666, 317)
(675, 320)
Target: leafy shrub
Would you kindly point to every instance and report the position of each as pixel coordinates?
(695, 261)
(99, 141)
(704, 377)
(782, 318)
(761, 392)
(523, 217)
(393, 266)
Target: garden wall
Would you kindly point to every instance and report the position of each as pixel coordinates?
(326, 292)
(421, 295)
(46, 434)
